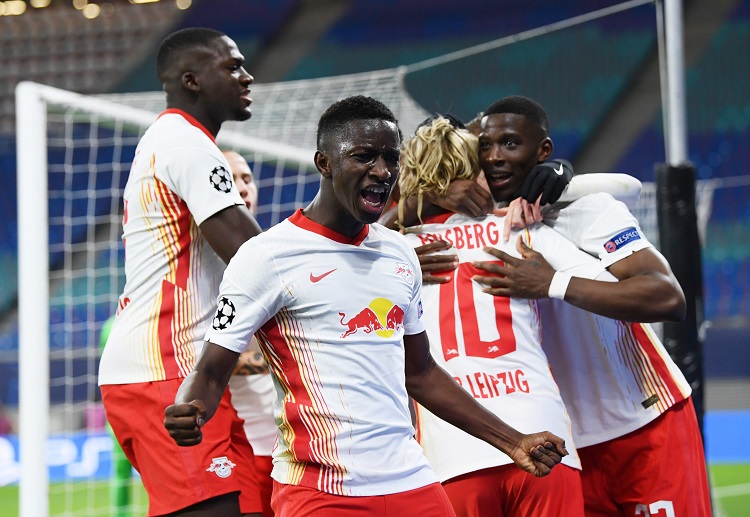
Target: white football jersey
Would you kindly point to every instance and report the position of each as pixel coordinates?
(178, 179)
(491, 345)
(329, 313)
(614, 376)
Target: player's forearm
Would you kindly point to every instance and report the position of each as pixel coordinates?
(643, 298)
(622, 187)
(197, 386)
(438, 392)
(209, 378)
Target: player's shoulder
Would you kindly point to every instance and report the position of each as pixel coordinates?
(393, 238)
(172, 131)
(379, 232)
(261, 248)
(598, 201)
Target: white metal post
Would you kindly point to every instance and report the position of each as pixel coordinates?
(33, 299)
(677, 121)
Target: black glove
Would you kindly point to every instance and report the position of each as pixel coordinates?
(548, 179)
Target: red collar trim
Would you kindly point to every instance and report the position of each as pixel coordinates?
(304, 222)
(193, 121)
(437, 219)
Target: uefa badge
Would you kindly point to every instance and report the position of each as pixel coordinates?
(225, 313)
(220, 179)
(405, 271)
(222, 466)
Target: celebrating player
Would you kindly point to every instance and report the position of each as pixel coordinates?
(335, 303)
(493, 350)
(183, 221)
(628, 401)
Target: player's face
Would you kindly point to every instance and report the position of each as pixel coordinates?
(509, 147)
(225, 84)
(364, 167)
(243, 179)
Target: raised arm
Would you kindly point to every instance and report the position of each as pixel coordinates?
(200, 394)
(520, 212)
(463, 196)
(433, 388)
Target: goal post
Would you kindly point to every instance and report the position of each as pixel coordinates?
(73, 155)
(33, 293)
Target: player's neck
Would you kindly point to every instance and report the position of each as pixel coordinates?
(342, 224)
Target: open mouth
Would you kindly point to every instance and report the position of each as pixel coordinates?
(498, 179)
(375, 197)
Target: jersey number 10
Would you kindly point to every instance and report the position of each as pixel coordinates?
(461, 290)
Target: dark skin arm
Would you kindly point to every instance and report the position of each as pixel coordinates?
(228, 229)
(432, 264)
(647, 291)
(463, 196)
(433, 388)
(199, 395)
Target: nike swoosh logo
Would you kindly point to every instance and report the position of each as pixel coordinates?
(558, 171)
(314, 279)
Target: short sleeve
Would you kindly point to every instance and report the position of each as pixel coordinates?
(250, 294)
(563, 255)
(601, 226)
(412, 319)
(201, 177)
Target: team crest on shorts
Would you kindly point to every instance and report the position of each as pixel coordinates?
(222, 466)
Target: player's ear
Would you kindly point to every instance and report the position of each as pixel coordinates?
(189, 81)
(545, 150)
(323, 164)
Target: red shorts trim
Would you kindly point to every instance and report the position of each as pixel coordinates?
(660, 467)
(302, 501)
(177, 477)
(507, 491)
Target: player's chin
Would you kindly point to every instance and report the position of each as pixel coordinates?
(243, 114)
(369, 212)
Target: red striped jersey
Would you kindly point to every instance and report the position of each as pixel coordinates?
(329, 313)
(614, 376)
(178, 179)
(492, 345)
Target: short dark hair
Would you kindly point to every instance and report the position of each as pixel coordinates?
(180, 41)
(357, 107)
(520, 105)
(450, 117)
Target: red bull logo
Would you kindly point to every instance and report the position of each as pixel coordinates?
(382, 316)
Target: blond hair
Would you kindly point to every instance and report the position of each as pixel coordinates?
(435, 156)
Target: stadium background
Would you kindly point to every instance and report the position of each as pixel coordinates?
(597, 82)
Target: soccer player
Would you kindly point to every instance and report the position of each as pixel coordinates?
(250, 385)
(183, 220)
(334, 301)
(628, 401)
(491, 347)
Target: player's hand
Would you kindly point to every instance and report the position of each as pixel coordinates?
(432, 263)
(527, 277)
(466, 197)
(538, 453)
(519, 214)
(547, 179)
(184, 422)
